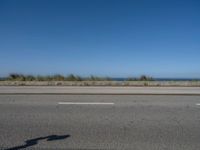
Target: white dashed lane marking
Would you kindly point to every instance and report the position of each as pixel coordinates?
(84, 103)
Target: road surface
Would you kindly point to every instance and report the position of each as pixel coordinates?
(97, 122)
(98, 90)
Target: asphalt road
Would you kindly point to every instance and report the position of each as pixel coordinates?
(92, 122)
(98, 90)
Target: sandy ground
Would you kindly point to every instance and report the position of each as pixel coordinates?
(101, 83)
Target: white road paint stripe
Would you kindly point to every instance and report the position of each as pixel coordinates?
(198, 104)
(82, 103)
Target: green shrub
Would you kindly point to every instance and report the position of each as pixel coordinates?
(30, 78)
(16, 77)
(72, 77)
(58, 77)
(145, 78)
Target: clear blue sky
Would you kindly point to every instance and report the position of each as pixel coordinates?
(160, 38)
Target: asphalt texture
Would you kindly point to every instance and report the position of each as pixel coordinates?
(108, 90)
(135, 122)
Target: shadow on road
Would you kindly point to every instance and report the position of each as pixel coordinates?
(32, 142)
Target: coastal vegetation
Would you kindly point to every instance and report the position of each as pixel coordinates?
(70, 77)
(16, 79)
